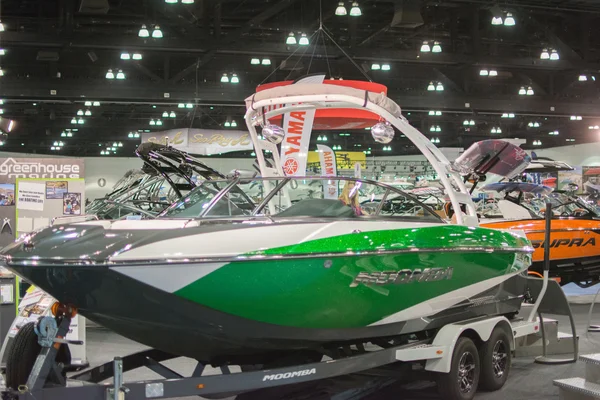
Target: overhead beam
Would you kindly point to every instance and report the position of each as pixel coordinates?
(198, 47)
(133, 92)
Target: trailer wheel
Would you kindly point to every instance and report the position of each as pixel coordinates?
(462, 380)
(495, 356)
(21, 356)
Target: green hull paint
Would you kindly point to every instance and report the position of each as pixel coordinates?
(317, 292)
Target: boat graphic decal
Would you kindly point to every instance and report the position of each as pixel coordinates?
(288, 375)
(403, 276)
(577, 242)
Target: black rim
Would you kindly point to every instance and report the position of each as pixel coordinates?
(466, 372)
(499, 358)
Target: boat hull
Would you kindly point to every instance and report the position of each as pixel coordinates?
(179, 326)
(318, 286)
(574, 247)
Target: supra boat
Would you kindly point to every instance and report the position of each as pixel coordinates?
(224, 277)
(575, 241)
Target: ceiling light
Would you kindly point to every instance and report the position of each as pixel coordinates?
(466, 122)
(61, 144)
(355, 10)
(385, 67)
(158, 122)
(554, 55)
(472, 122)
(63, 134)
(224, 78)
(570, 140)
(425, 47)
(110, 75)
(431, 87)
(438, 129)
(96, 104)
(152, 122)
(432, 113)
(1, 72)
(266, 61)
(536, 124)
(497, 20)
(180, 105)
(157, 33)
(130, 135)
(125, 56)
(171, 1)
(529, 91)
(73, 120)
(69, 134)
(432, 128)
(120, 144)
(88, 113)
(509, 20)
(120, 75)
(522, 91)
(530, 124)
(79, 112)
(136, 56)
(493, 130)
(582, 78)
(375, 66)
(254, 61)
(143, 32)
(80, 121)
(235, 79)
(493, 72)
(438, 113)
(2, 52)
(165, 114)
(437, 47)
(545, 55)
(291, 39)
(511, 115)
(227, 124)
(172, 114)
(1, 27)
(187, 1)
(303, 40)
(189, 105)
(483, 72)
(341, 9)
(88, 103)
(439, 87)
(233, 124)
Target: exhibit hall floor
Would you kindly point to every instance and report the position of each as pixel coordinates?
(527, 379)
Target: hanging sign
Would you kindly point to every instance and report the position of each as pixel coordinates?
(298, 127)
(31, 195)
(201, 141)
(328, 168)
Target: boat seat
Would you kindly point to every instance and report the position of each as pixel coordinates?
(318, 208)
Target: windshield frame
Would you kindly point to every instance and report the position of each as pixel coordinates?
(284, 180)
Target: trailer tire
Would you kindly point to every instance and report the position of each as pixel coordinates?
(462, 380)
(21, 356)
(496, 357)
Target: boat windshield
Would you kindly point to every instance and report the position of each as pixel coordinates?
(318, 197)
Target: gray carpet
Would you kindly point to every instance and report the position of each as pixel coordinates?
(527, 380)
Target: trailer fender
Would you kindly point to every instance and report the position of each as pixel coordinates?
(448, 335)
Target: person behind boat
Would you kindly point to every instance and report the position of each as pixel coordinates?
(349, 197)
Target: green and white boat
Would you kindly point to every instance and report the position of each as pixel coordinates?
(227, 276)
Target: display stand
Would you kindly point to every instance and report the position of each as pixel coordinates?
(554, 301)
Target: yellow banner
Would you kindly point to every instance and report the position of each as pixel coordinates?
(344, 159)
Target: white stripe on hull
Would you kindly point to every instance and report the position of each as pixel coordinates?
(230, 243)
(167, 277)
(444, 301)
